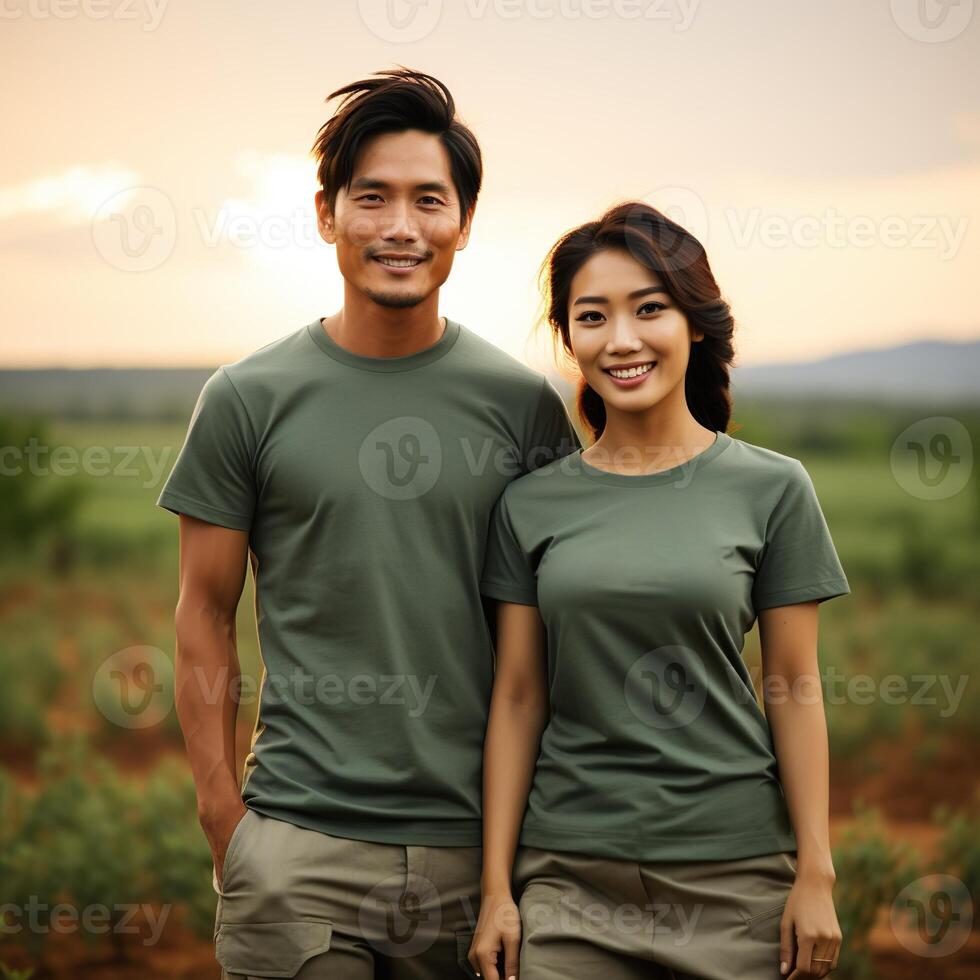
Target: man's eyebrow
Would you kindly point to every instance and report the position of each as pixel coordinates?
(636, 294)
(373, 183)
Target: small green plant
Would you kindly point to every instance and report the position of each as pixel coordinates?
(959, 848)
(8, 973)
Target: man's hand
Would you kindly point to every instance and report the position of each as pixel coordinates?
(219, 827)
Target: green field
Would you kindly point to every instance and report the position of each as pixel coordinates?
(102, 577)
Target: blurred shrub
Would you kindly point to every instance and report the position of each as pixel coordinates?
(175, 846)
(91, 838)
(35, 504)
(959, 849)
(928, 649)
(28, 651)
(6, 973)
(871, 871)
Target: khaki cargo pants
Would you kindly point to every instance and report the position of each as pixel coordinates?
(586, 917)
(299, 903)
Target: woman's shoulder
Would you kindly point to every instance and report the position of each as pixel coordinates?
(540, 483)
(763, 459)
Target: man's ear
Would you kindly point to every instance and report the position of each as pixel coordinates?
(464, 235)
(324, 219)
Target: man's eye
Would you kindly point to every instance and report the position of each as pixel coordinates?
(430, 199)
(364, 197)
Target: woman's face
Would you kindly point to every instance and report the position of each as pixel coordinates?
(631, 340)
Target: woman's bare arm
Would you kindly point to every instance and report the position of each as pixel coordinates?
(793, 696)
(518, 715)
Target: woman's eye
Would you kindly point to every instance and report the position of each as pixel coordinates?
(656, 307)
(581, 318)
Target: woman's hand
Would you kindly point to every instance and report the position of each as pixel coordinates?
(811, 920)
(498, 928)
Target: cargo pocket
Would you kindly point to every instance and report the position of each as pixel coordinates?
(540, 905)
(271, 949)
(762, 918)
(464, 940)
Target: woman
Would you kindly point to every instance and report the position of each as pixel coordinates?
(628, 765)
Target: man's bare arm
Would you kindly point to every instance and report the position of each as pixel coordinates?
(213, 562)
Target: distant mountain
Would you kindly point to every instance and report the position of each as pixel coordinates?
(930, 370)
(926, 370)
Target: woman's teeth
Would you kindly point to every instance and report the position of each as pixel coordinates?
(633, 372)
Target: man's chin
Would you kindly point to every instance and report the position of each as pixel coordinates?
(395, 301)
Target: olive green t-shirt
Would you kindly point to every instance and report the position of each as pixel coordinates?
(366, 485)
(656, 748)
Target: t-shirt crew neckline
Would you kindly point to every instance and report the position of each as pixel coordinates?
(407, 362)
(722, 442)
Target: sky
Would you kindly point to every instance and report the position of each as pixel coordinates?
(156, 184)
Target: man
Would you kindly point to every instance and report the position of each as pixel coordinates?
(355, 463)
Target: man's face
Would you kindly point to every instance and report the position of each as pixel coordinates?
(398, 227)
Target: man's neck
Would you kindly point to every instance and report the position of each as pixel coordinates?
(366, 328)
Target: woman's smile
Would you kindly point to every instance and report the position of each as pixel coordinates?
(630, 375)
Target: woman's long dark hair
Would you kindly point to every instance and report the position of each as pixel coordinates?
(679, 260)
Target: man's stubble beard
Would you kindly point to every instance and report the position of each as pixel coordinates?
(394, 301)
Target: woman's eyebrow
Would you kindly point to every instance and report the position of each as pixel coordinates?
(636, 294)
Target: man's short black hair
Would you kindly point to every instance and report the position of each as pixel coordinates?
(393, 101)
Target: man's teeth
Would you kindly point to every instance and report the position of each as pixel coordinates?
(398, 263)
(633, 372)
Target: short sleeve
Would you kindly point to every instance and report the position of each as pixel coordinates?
(798, 561)
(552, 434)
(212, 478)
(507, 572)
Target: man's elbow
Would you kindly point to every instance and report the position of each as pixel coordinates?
(197, 619)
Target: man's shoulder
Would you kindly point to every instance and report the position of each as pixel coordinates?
(483, 359)
(271, 362)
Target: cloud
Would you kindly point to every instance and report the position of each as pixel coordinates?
(72, 197)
